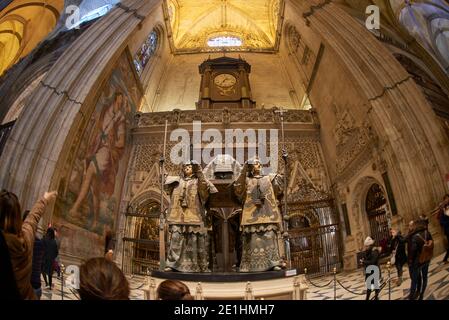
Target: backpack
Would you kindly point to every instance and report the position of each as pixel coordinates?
(426, 251)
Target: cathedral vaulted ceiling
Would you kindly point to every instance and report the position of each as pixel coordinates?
(193, 23)
(23, 24)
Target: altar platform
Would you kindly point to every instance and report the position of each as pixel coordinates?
(270, 285)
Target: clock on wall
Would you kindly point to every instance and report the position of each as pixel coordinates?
(225, 84)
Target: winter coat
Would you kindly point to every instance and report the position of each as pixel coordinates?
(444, 222)
(21, 250)
(51, 252)
(398, 243)
(8, 285)
(38, 255)
(415, 243)
(371, 257)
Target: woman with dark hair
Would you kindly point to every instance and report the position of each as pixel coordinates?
(51, 252)
(101, 279)
(19, 237)
(173, 290)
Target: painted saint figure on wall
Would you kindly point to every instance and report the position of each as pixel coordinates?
(93, 182)
(105, 150)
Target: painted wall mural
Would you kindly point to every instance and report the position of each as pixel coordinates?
(93, 183)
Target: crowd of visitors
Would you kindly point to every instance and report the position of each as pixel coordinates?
(24, 257)
(414, 249)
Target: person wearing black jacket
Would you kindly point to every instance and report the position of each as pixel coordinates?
(370, 259)
(51, 252)
(396, 245)
(423, 236)
(412, 260)
(443, 216)
(418, 272)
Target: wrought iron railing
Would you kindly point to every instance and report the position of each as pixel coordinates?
(317, 249)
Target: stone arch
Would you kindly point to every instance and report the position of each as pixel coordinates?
(149, 193)
(360, 217)
(309, 215)
(141, 226)
(137, 205)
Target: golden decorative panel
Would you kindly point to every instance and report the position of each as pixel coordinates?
(192, 23)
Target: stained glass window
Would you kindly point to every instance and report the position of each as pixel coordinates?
(224, 42)
(146, 51)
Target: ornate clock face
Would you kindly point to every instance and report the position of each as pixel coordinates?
(225, 80)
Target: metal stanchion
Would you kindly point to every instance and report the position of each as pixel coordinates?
(62, 281)
(389, 279)
(314, 284)
(335, 283)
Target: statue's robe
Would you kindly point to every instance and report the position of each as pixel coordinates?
(189, 243)
(261, 222)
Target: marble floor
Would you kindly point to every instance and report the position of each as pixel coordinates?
(437, 288)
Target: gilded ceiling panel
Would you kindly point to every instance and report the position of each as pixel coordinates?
(192, 23)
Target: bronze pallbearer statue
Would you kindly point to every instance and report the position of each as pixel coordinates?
(261, 218)
(189, 243)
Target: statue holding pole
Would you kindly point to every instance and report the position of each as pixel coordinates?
(285, 187)
(261, 222)
(161, 216)
(189, 193)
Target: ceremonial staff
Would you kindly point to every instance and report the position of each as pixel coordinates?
(161, 216)
(285, 212)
